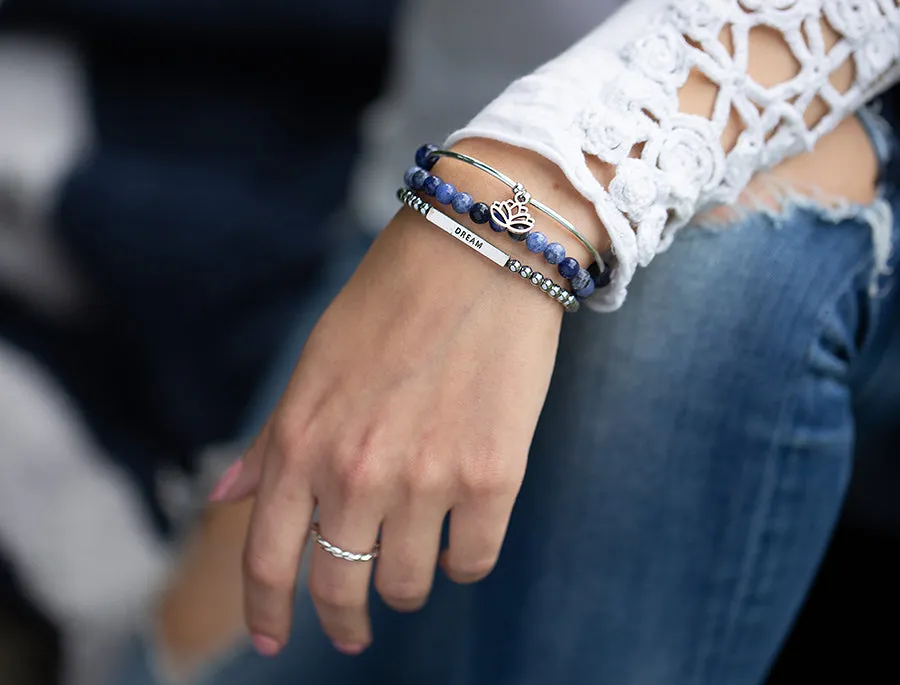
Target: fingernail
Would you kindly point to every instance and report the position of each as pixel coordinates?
(265, 645)
(226, 481)
(348, 648)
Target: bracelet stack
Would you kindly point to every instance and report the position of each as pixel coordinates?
(509, 216)
(487, 249)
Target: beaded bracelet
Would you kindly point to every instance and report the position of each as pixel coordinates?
(581, 280)
(515, 210)
(484, 247)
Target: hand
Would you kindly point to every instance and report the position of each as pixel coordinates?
(416, 395)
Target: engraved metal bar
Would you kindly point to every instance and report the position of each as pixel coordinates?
(463, 235)
(454, 228)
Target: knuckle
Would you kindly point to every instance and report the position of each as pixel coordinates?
(360, 470)
(470, 570)
(265, 572)
(403, 594)
(287, 438)
(426, 477)
(358, 475)
(481, 482)
(487, 470)
(334, 595)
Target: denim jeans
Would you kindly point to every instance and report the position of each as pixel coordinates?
(686, 474)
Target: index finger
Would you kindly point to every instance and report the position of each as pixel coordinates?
(278, 531)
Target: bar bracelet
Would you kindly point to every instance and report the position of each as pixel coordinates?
(485, 248)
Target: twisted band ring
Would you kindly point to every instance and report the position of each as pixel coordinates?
(336, 551)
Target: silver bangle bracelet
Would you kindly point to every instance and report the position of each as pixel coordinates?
(485, 248)
(523, 197)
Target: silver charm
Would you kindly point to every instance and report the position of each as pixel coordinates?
(513, 215)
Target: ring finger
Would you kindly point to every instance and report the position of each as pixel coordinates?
(340, 587)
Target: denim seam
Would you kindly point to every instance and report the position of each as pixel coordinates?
(718, 638)
(754, 554)
(770, 541)
(846, 284)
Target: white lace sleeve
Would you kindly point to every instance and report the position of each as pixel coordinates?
(614, 98)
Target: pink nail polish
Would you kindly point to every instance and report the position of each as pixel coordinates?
(350, 649)
(226, 481)
(265, 645)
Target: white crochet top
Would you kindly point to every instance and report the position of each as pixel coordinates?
(617, 89)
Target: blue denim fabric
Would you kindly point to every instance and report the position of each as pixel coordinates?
(686, 474)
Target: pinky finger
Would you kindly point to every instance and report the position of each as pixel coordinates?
(477, 529)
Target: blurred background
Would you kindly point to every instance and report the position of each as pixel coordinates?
(171, 173)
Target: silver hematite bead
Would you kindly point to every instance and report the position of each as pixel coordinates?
(554, 291)
(538, 278)
(563, 296)
(526, 272)
(514, 266)
(546, 285)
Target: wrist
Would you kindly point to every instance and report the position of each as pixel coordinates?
(436, 272)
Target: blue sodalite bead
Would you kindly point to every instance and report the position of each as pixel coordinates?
(536, 242)
(496, 227)
(554, 253)
(585, 291)
(480, 213)
(445, 193)
(408, 176)
(581, 279)
(462, 203)
(424, 158)
(418, 179)
(568, 267)
(431, 184)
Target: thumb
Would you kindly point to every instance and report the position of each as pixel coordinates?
(241, 479)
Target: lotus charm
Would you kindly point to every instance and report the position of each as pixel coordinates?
(512, 216)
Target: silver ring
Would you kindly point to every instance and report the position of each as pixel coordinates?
(336, 551)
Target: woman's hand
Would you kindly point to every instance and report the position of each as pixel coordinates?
(416, 395)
